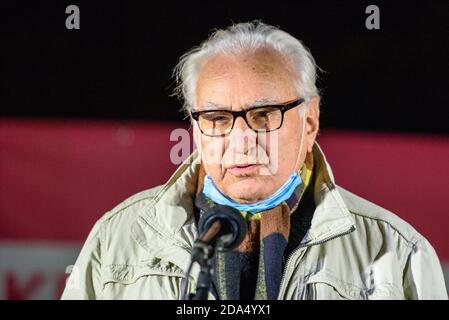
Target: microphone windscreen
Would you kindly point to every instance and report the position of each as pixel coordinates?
(233, 224)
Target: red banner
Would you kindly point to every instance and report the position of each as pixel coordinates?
(58, 177)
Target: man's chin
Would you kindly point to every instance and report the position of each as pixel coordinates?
(246, 191)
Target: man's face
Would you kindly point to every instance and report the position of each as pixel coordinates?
(245, 165)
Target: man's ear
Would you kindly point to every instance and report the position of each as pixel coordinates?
(313, 121)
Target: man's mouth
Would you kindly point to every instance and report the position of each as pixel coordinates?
(246, 168)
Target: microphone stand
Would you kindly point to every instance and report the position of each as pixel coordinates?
(203, 251)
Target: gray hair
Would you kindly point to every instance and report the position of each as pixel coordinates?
(238, 39)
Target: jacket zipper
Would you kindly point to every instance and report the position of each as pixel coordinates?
(289, 258)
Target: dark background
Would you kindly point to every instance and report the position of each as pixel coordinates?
(119, 64)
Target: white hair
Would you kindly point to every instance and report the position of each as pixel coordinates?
(239, 39)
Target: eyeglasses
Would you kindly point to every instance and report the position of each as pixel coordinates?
(219, 123)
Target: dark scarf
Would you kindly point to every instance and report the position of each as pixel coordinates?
(254, 270)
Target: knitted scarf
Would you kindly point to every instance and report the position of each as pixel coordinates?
(254, 269)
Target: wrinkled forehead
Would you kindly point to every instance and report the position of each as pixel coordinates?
(255, 79)
(212, 105)
(263, 61)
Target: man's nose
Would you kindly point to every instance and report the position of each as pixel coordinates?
(240, 123)
(242, 136)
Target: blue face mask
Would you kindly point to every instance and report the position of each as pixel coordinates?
(282, 194)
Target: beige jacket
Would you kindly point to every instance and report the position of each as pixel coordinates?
(353, 250)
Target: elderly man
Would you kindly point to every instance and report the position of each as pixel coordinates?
(250, 92)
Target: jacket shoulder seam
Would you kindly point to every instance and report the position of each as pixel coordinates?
(410, 242)
(410, 236)
(120, 207)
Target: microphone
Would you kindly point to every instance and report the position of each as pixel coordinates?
(222, 227)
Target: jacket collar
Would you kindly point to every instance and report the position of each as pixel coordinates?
(165, 226)
(331, 217)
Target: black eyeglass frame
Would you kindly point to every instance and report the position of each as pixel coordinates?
(283, 107)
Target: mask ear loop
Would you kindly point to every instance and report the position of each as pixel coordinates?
(197, 133)
(302, 113)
